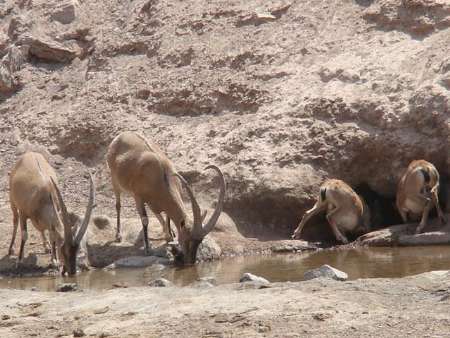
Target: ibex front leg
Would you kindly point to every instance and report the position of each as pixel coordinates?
(318, 207)
(140, 206)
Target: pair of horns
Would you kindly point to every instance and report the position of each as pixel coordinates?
(68, 235)
(200, 230)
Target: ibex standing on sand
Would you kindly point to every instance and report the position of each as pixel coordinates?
(140, 168)
(345, 210)
(34, 195)
(417, 192)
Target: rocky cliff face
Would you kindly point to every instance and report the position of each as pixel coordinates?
(280, 94)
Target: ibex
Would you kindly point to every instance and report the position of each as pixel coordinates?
(140, 168)
(34, 195)
(345, 210)
(417, 192)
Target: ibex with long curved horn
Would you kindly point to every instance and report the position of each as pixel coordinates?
(346, 211)
(140, 168)
(34, 195)
(417, 193)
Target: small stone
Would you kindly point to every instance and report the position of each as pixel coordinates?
(325, 271)
(120, 285)
(209, 279)
(101, 310)
(202, 284)
(78, 333)
(101, 221)
(160, 282)
(248, 277)
(67, 287)
(6, 317)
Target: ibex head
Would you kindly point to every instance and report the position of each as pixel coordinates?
(192, 232)
(72, 236)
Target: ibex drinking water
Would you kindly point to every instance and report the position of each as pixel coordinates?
(34, 195)
(140, 168)
(345, 210)
(417, 192)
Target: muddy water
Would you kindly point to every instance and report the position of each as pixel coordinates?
(358, 263)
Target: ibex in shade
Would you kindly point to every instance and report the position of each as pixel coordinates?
(345, 210)
(417, 193)
(34, 195)
(140, 168)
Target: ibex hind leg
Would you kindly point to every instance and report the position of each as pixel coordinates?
(24, 232)
(166, 227)
(435, 198)
(15, 226)
(45, 243)
(116, 189)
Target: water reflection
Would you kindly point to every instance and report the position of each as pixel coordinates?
(358, 263)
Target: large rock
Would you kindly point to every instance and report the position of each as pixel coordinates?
(45, 49)
(416, 16)
(325, 271)
(208, 250)
(404, 235)
(249, 277)
(63, 11)
(7, 83)
(160, 282)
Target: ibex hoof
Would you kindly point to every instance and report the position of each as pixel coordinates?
(118, 238)
(11, 252)
(344, 240)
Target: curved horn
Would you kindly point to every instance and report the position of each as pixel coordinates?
(64, 214)
(195, 207)
(215, 216)
(87, 215)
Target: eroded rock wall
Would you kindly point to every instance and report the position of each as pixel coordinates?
(280, 94)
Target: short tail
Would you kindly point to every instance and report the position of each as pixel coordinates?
(323, 194)
(426, 175)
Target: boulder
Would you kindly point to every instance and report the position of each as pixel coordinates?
(7, 83)
(63, 12)
(404, 235)
(249, 277)
(66, 287)
(48, 50)
(208, 250)
(325, 271)
(160, 282)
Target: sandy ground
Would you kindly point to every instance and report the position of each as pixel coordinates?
(416, 306)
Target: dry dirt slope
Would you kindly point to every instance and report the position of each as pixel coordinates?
(280, 94)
